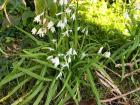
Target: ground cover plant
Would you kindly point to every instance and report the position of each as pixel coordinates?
(62, 52)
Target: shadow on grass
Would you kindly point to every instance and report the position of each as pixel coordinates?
(103, 34)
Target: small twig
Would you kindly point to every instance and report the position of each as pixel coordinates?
(131, 73)
(127, 64)
(7, 17)
(109, 83)
(120, 96)
(3, 7)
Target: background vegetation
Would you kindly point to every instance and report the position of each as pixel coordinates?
(63, 53)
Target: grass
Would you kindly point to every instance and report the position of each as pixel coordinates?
(57, 69)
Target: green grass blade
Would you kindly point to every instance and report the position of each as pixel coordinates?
(40, 96)
(10, 77)
(13, 76)
(72, 93)
(15, 89)
(51, 91)
(64, 100)
(93, 86)
(19, 100)
(33, 94)
(65, 83)
(30, 73)
(45, 63)
(29, 35)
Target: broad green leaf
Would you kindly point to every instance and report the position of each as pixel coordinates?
(51, 91)
(52, 7)
(14, 75)
(30, 36)
(33, 94)
(10, 77)
(64, 86)
(26, 15)
(93, 86)
(30, 73)
(40, 96)
(40, 6)
(19, 100)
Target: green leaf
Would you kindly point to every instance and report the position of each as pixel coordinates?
(65, 84)
(33, 94)
(30, 36)
(51, 91)
(93, 86)
(52, 7)
(14, 75)
(10, 77)
(40, 6)
(40, 96)
(15, 89)
(26, 15)
(30, 73)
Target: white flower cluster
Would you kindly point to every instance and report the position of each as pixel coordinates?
(47, 26)
(137, 5)
(67, 59)
(62, 23)
(106, 54)
(42, 30)
(62, 60)
(37, 19)
(63, 2)
(85, 30)
(51, 26)
(126, 15)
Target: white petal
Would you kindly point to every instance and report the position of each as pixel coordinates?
(41, 32)
(59, 75)
(49, 48)
(50, 25)
(69, 59)
(63, 65)
(52, 29)
(61, 24)
(100, 50)
(126, 15)
(54, 40)
(65, 2)
(54, 1)
(86, 32)
(34, 30)
(65, 20)
(37, 19)
(83, 30)
(83, 55)
(66, 33)
(68, 10)
(49, 57)
(59, 13)
(107, 54)
(71, 51)
(61, 2)
(60, 55)
(55, 61)
(78, 28)
(74, 52)
(73, 17)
